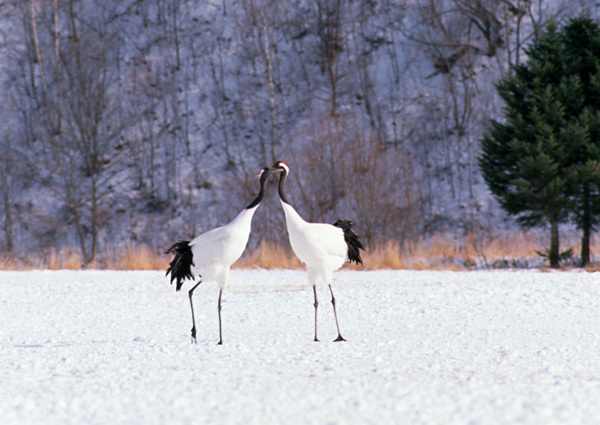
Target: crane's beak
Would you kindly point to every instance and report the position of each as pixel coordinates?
(266, 171)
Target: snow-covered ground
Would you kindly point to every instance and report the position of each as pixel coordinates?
(501, 347)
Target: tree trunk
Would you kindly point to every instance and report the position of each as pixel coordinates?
(38, 53)
(269, 77)
(95, 219)
(8, 219)
(554, 244)
(74, 204)
(58, 129)
(586, 226)
(585, 247)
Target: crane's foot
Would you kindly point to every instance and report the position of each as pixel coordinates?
(317, 339)
(339, 338)
(220, 343)
(194, 335)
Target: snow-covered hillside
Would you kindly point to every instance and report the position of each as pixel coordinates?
(510, 347)
(130, 122)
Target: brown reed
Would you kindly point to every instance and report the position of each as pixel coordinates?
(434, 252)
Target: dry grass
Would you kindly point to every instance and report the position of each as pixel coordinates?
(269, 256)
(131, 258)
(63, 259)
(53, 259)
(437, 252)
(138, 258)
(443, 252)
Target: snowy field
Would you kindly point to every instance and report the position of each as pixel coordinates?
(102, 347)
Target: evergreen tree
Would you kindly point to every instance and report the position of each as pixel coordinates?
(523, 158)
(581, 91)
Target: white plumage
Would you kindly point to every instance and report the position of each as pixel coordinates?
(214, 251)
(320, 246)
(211, 254)
(323, 247)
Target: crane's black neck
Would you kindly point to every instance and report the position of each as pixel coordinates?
(261, 194)
(282, 188)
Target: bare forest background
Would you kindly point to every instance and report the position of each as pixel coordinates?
(139, 122)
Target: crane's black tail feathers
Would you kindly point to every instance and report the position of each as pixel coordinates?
(352, 240)
(181, 265)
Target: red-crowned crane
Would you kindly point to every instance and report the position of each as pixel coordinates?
(324, 248)
(211, 254)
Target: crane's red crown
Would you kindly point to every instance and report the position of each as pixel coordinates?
(282, 164)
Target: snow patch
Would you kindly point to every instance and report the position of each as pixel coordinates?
(486, 347)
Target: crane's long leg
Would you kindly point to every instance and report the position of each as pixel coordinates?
(220, 333)
(340, 337)
(316, 307)
(190, 293)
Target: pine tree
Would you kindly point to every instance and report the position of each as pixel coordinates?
(543, 162)
(523, 158)
(581, 91)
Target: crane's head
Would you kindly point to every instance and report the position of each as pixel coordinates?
(280, 167)
(264, 173)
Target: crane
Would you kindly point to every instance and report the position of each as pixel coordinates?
(323, 247)
(211, 254)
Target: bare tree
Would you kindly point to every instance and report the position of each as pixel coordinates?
(330, 32)
(354, 173)
(82, 149)
(7, 188)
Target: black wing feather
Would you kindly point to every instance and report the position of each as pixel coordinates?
(352, 240)
(181, 265)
